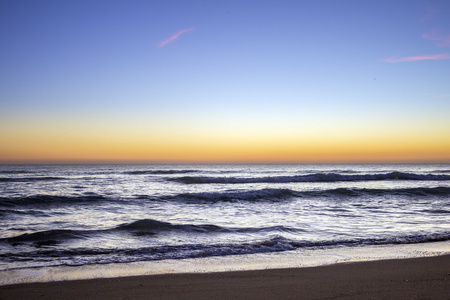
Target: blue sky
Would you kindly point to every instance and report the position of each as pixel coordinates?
(230, 71)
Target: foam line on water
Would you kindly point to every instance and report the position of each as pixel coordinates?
(292, 259)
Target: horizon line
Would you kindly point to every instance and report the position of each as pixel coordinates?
(138, 162)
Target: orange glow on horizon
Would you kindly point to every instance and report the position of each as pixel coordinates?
(120, 149)
(133, 142)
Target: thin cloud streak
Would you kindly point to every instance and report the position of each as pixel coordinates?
(417, 58)
(174, 37)
(431, 12)
(444, 39)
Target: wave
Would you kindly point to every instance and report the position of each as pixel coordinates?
(27, 212)
(45, 238)
(158, 172)
(15, 172)
(40, 201)
(436, 211)
(441, 171)
(29, 179)
(275, 243)
(317, 177)
(153, 226)
(256, 195)
(146, 227)
(49, 200)
(150, 226)
(358, 192)
(263, 195)
(274, 195)
(139, 227)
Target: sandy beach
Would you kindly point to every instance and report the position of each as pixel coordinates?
(416, 278)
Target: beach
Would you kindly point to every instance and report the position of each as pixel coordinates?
(414, 278)
(223, 150)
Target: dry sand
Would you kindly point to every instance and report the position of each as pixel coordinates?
(416, 278)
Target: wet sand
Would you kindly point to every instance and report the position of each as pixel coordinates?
(416, 278)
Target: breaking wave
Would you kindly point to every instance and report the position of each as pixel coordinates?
(275, 243)
(139, 227)
(158, 172)
(28, 179)
(15, 172)
(50, 200)
(231, 196)
(318, 177)
(263, 195)
(46, 238)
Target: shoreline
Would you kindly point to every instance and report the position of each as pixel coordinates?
(301, 258)
(409, 278)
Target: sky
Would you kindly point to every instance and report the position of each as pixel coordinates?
(224, 81)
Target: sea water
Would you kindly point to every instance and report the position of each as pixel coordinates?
(86, 216)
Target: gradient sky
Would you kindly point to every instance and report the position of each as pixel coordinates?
(224, 81)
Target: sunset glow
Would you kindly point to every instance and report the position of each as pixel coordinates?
(254, 82)
(417, 58)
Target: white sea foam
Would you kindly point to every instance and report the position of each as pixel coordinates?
(290, 259)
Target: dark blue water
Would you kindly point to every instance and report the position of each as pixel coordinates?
(54, 215)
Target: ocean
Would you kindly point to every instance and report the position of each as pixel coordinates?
(85, 215)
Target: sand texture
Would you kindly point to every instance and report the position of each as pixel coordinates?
(417, 278)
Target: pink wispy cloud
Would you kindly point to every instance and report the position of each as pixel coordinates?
(417, 58)
(444, 40)
(431, 12)
(174, 37)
